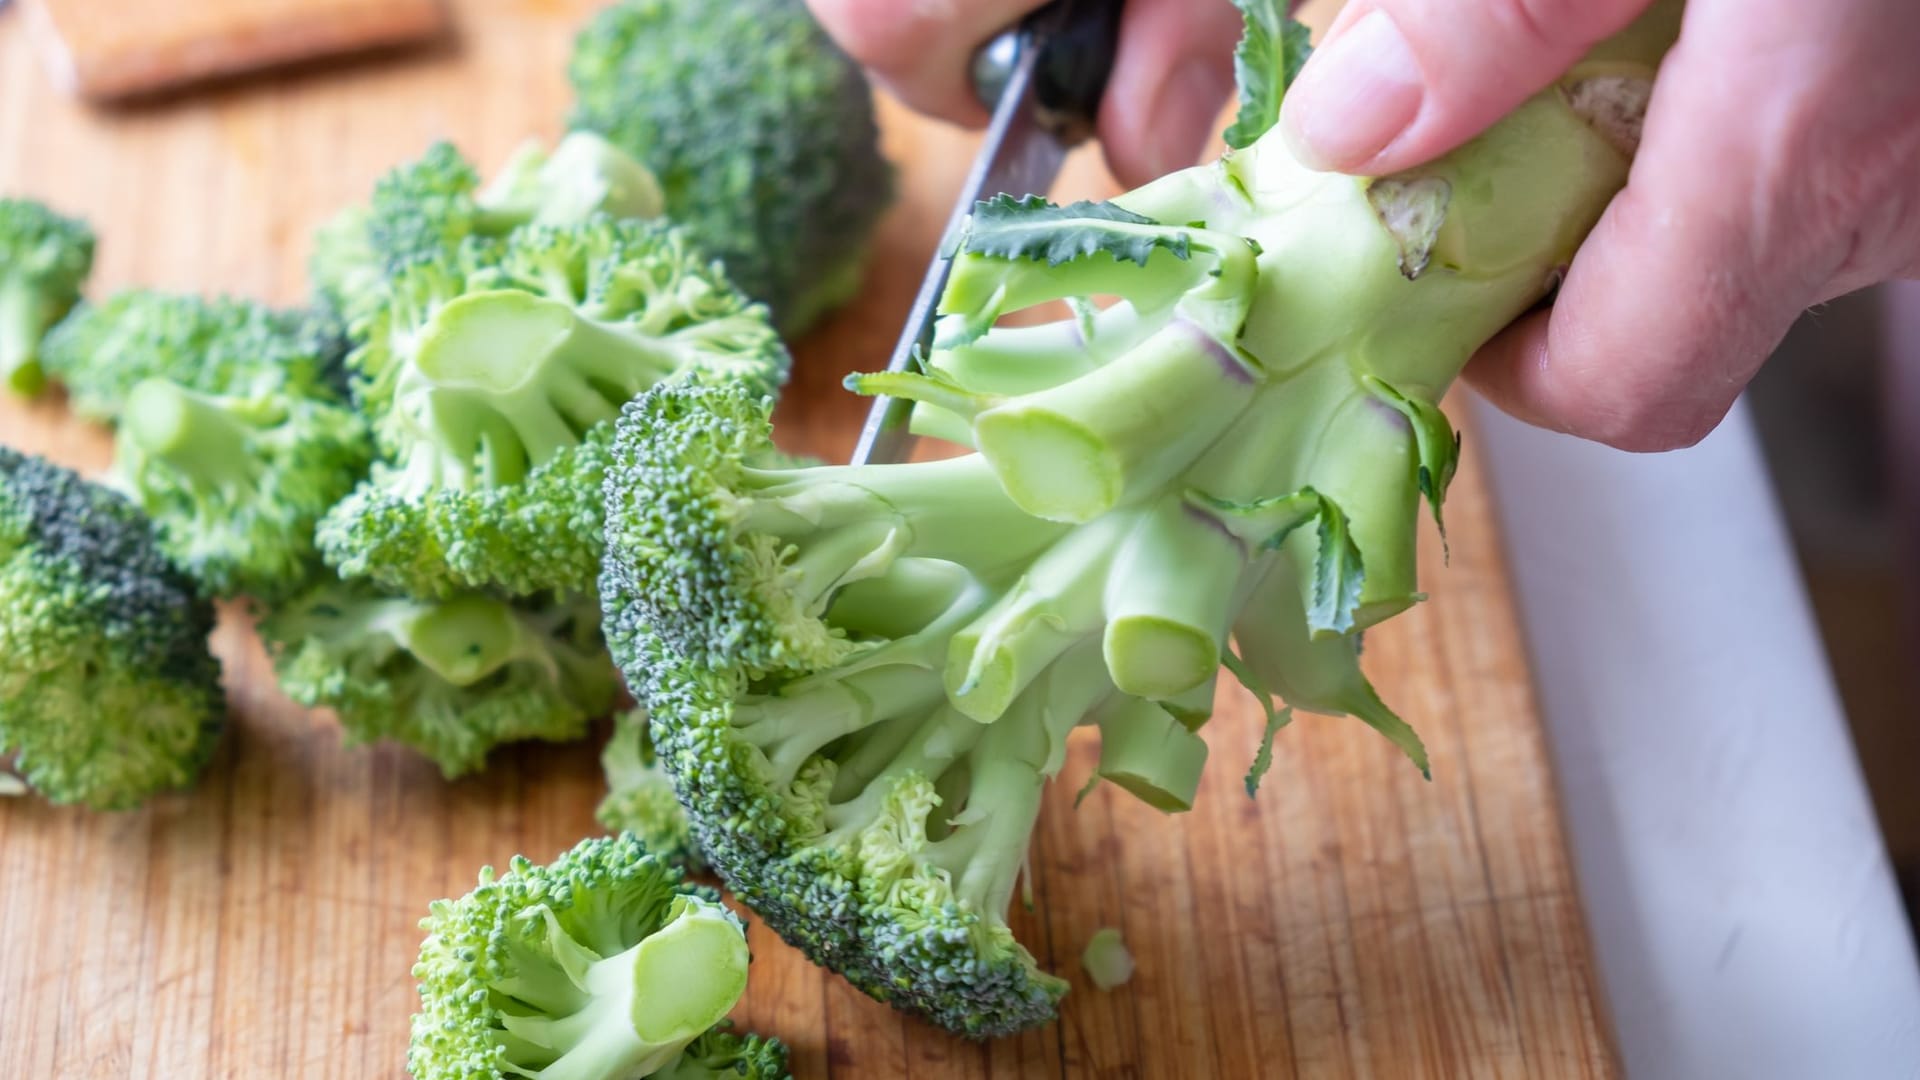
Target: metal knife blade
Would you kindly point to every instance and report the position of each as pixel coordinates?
(1025, 143)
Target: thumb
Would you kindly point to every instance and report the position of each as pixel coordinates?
(1398, 82)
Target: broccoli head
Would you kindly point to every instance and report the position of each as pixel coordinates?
(425, 209)
(760, 131)
(451, 678)
(235, 485)
(44, 261)
(107, 691)
(603, 963)
(640, 797)
(861, 677)
(492, 379)
(211, 345)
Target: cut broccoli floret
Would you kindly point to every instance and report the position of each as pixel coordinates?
(492, 380)
(601, 965)
(425, 209)
(640, 797)
(214, 346)
(44, 262)
(107, 691)
(452, 678)
(1106, 959)
(235, 485)
(760, 131)
(860, 678)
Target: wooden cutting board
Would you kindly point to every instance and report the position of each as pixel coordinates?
(104, 49)
(1353, 921)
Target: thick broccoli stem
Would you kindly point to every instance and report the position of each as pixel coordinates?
(954, 510)
(201, 438)
(1149, 753)
(631, 1013)
(1054, 607)
(1169, 600)
(23, 321)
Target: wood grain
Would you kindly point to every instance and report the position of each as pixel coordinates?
(1354, 921)
(103, 49)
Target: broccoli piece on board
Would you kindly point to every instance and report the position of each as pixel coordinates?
(44, 260)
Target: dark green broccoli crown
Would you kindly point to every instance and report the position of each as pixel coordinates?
(44, 261)
(760, 131)
(640, 798)
(235, 485)
(452, 678)
(107, 691)
(220, 345)
(863, 879)
(492, 379)
(512, 973)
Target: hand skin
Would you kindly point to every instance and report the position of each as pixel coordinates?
(1779, 167)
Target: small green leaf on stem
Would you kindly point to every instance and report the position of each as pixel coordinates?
(1272, 50)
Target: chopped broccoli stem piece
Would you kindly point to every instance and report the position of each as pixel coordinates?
(603, 963)
(1106, 959)
(44, 261)
(108, 694)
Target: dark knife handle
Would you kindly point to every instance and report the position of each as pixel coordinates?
(1076, 40)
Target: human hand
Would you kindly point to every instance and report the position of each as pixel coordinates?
(1779, 168)
(1172, 73)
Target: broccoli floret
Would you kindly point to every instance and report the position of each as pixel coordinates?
(212, 345)
(425, 209)
(760, 131)
(601, 965)
(107, 691)
(235, 485)
(640, 797)
(861, 677)
(492, 380)
(44, 261)
(452, 678)
(1106, 959)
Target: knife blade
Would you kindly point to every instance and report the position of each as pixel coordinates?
(1043, 80)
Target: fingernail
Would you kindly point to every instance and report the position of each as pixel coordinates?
(1354, 97)
(1184, 113)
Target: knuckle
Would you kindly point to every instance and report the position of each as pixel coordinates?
(1555, 25)
(880, 34)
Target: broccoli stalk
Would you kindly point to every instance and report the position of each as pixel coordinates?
(603, 963)
(108, 694)
(493, 380)
(235, 485)
(44, 260)
(451, 678)
(861, 677)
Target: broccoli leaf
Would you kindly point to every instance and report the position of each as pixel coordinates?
(1435, 441)
(1030, 227)
(1271, 53)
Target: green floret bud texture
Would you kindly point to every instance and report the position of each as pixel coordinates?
(450, 678)
(603, 963)
(425, 209)
(108, 694)
(860, 678)
(44, 262)
(219, 345)
(640, 798)
(235, 485)
(760, 130)
(493, 380)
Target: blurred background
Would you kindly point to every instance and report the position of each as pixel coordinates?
(1838, 409)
